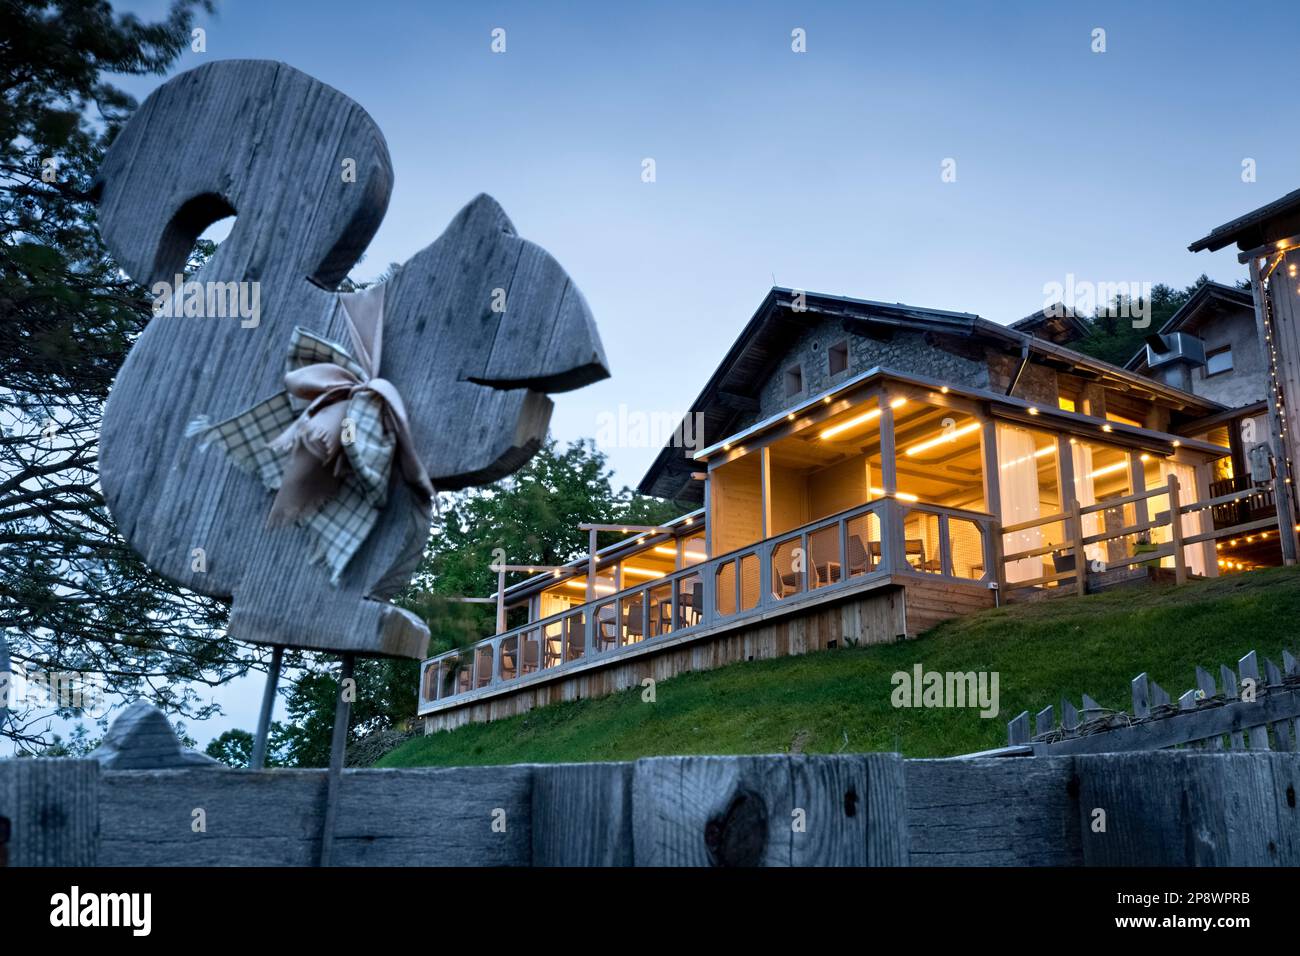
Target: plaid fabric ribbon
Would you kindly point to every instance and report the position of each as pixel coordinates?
(326, 443)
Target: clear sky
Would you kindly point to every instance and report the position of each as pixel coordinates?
(819, 170)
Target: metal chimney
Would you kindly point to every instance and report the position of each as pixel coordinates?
(1172, 356)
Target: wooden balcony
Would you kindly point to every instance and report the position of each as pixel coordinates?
(857, 550)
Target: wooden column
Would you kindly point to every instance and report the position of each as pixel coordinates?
(1282, 475)
(765, 490)
(888, 462)
(1137, 484)
(1076, 546)
(993, 494)
(893, 537)
(1176, 532)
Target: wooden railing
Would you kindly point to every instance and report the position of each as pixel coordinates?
(837, 553)
(1070, 557)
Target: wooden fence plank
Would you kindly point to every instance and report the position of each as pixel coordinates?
(461, 816)
(1011, 812)
(1248, 668)
(51, 805)
(770, 811)
(582, 814)
(1186, 809)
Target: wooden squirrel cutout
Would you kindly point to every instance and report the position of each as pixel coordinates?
(476, 329)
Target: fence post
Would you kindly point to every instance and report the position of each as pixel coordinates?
(1076, 545)
(1176, 532)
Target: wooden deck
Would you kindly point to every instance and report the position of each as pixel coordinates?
(880, 611)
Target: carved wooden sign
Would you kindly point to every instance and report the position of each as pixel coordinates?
(476, 328)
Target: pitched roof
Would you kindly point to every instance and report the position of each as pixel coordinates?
(1276, 220)
(1056, 323)
(731, 391)
(1211, 295)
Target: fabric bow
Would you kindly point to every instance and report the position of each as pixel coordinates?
(326, 443)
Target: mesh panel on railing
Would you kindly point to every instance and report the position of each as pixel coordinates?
(575, 636)
(661, 609)
(788, 564)
(825, 564)
(632, 619)
(724, 588)
(529, 652)
(483, 666)
(509, 657)
(606, 617)
(552, 643)
(864, 544)
(921, 538)
(750, 569)
(966, 544)
(690, 600)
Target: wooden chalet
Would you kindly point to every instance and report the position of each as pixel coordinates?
(868, 469)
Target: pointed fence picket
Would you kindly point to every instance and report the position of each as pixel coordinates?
(1243, 711)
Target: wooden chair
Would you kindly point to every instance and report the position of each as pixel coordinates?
(633, 627)
(575, 637)
(606, 628)
(528, 656)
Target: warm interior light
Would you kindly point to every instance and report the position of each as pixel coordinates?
(1145, 457)
(581, 586)
(672, 552)
(642, 572)
(858, 420)
(900, 495)
(1040, 453)
(1109, 469)
(946, 437)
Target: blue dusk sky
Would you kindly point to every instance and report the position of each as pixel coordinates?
(818, 170)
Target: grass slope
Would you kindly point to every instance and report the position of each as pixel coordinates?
(839, 700)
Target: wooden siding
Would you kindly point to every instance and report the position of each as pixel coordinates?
(736, 504)
(903, 606)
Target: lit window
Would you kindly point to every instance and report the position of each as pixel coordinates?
(1218, 361)
(1112, 417)
(1067, 404)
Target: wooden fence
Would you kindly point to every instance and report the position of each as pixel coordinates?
(1243, 711)
(1170, 808)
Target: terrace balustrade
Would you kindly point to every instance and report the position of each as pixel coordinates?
(839, 553)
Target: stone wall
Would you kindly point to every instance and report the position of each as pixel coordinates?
(918, 353)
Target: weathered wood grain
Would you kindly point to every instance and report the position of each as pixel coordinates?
(433, 817)
(582, 814)
(51, 806)
(770, 811)
(271, 145)
(1188, 809)
(1008, 812)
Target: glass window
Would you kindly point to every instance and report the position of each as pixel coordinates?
(1220, 360)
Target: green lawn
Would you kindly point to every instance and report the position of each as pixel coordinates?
(840, 700)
